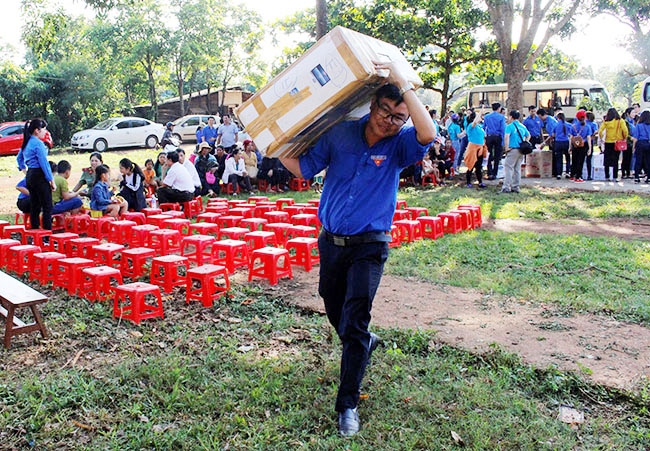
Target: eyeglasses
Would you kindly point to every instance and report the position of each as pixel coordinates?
(384, 112)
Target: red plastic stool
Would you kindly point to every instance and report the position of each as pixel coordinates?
(175, 214)
(96, 283)
(3, 224)
(476, 213)
(137, 301)
(170, 206)
(294, 210)
(120, 232)
(77, 223)
(244, 212)
(37, 237)
(192, 208)
(109, 254)
(229, 221)
(81, 247)
(261, 208)
(169, 271)
(253, 224)
(256, 199)
(14, 232)
(466, 220)
(43, 266)
(299, 184)
(306, 219)
(396, 240)
(217, 208)
(151, 211)
(99, 228)
(451, 222)
(68, 272)
(136, 216)
(20, 256)
(166, 241)
(276, 216)
(401, 204)
(314, 202)
(259, 238)
(140, 234)
(208, 217)
(417, 211)
(157, 220)
(182, 225)
(206, 284)
(303, 252)
(429, 179)
(5, 245)
(300, 231)
(134, 261)
(263, 185)
(198, 248)
(59, 241)
(234, 203)
(400, 215)
(281, 230)
(311, 211)
(204, 228)
(58, 223)
(230, 253)
(22, 219)
(431, 227)
(409, 230)
(273, 264)
(233, 233)
(228, 188)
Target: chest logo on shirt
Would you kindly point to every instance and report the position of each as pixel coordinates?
(378, 159)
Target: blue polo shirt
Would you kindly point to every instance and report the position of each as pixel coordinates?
(22, 184)
(495, 124)
(35, 156)
(360, 190)
(534, 125)
(549, 124)
(583, 130)
(594, 127)
(513, 129)
(454, 130)
(476, 135)
(209, 134)
(643, 132)
(562, 131)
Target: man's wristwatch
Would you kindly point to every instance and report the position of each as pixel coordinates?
(409, 86)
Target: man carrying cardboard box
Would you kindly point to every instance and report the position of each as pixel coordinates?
(363, 160)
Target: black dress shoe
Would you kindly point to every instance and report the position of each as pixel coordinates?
(348, 422)
(374, 342)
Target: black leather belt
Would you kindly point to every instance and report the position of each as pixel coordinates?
(353, 240)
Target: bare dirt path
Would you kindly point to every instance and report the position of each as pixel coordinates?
(603, 350)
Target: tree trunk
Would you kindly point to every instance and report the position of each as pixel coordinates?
(515, 100)
(321, 18)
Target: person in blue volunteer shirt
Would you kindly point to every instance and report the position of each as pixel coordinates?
(534, 126)
(454, 130)
(209, 133)
(579, 152)
(515, 133)
(363, 160)
(562, 132)
(40, 180)
(642, 147)
(548, 125)
(591, 122)
(494, 124)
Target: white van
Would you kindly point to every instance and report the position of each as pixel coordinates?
(645, 94)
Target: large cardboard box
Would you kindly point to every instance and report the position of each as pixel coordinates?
(324, 86)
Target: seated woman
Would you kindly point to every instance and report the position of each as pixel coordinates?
(88, 175)
(132, 185)
(250, 160)
(101, 197)
(235, 172)
(207, 167)
(275, 174)
(160, 167)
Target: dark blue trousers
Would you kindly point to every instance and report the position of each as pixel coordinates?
(349, 277)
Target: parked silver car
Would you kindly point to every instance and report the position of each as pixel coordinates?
(185, 127)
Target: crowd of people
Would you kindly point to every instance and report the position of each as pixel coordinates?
(219, 160)
(480, 140)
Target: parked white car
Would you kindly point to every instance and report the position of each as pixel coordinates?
(119, 132)
(185, 127)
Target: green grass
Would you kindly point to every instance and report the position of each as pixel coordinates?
(595, 274)
(534, 203)
(263, 376)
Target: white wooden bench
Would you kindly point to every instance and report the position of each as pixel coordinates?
(15, 295)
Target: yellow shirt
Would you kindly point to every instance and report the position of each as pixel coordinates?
(61, 187)
(614, 130)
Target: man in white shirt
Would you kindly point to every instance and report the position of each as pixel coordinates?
(235, 172)
(227, 134)
(191, 169)
(177, 184)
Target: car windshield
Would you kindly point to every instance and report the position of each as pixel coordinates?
(108, 123)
